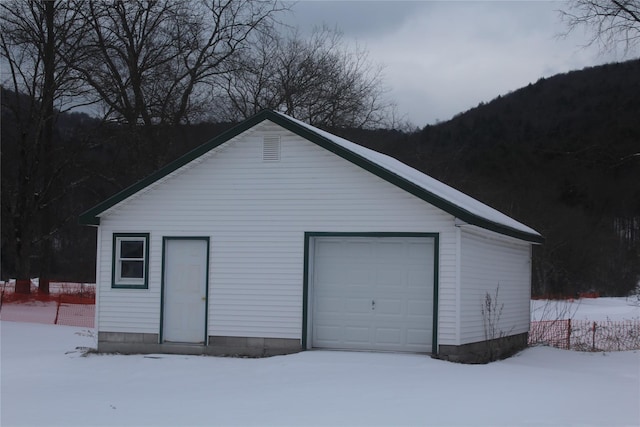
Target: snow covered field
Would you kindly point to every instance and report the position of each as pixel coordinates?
(593, 309)
(46, 381)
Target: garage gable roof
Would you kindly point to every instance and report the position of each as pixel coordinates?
(450, 200)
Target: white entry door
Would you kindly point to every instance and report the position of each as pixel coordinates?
(185, 290)
(373, 293)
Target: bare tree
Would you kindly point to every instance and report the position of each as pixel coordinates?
(33, 37)
(612, 24)
(152, 64)
(150, 61)
(319, 80)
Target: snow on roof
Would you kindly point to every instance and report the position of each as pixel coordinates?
(427, 183)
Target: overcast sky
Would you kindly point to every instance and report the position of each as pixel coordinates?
(442, 58)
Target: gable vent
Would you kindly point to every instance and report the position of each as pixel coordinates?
(271, 148)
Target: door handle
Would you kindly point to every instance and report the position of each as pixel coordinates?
(373, 305)
(204, 298)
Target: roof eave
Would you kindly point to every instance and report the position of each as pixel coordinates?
(91, 216)
(405, 184)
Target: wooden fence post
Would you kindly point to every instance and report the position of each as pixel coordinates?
(593, 338)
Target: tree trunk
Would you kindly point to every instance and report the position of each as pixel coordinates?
(47, 143)
(23, 286)
(21, 222)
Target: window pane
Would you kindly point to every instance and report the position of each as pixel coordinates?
(132, 269)
(131, 249)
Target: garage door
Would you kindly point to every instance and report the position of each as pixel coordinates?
(372, 293)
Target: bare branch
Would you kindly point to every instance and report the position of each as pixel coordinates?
(152, 62)
(319, 80)
(611, 24)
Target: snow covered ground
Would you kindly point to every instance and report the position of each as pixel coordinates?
(46, 380)
(593, 309)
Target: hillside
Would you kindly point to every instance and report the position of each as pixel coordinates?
(561, 155)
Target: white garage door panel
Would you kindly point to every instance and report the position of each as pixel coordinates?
(388, 336)
(419, 308)
(388, 307)
(356, 335)
(372, 293)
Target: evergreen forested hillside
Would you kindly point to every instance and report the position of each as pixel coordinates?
(561, 155)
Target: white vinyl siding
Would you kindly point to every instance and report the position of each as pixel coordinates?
(488, 264)
(256, 214)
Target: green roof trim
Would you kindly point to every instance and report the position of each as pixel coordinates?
(91, 217)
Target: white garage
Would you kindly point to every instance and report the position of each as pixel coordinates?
(277, 237)
(372, 293)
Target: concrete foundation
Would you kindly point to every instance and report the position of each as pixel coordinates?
(253, 347)
(484, 351)
(141, 343)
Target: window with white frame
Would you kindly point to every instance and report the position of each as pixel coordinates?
(130, 260)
